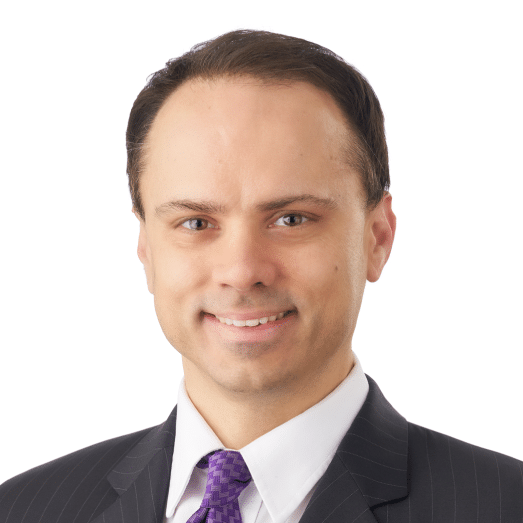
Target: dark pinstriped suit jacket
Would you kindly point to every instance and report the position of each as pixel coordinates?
(385, 470)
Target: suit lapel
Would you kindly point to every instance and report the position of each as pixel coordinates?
(337, 498)
(368, 469)
(142, 478)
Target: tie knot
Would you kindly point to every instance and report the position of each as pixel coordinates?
(227, 476)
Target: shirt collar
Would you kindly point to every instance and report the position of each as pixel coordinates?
(194, 439)
(286, 462)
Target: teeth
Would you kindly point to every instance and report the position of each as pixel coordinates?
(251, 323)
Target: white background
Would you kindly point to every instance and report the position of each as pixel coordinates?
(83, 358)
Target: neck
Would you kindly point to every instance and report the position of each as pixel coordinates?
(241, 415)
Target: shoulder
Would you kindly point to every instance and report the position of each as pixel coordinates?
(444, 468)
(66, 482)
(427, 444)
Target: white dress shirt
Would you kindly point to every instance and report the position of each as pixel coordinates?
(285, 463)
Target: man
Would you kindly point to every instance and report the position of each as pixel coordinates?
(258, 171)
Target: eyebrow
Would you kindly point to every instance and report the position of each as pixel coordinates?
(210, 207)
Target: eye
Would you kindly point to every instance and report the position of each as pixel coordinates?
(200, 220)
(293, 222)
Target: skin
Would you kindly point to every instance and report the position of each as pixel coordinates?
(239, 142)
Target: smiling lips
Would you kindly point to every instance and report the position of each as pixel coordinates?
(252, 330)
(251, 323)
(250, 320)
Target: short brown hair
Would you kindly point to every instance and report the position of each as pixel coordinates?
(270, 57)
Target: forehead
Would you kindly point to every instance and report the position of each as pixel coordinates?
(239, 103)
(247, 131)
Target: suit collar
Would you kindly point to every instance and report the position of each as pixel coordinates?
(142, 477)
(375, 449)
(130, 467)
(369, 468)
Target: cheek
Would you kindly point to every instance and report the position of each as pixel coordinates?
(334, 274)
(172, 274)
(324, 264)
(180, 279)
(173, 286)
(316, 276)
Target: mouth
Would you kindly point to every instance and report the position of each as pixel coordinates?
(271, 330)
(287, 313)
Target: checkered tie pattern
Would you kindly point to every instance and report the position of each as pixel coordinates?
(227, 476)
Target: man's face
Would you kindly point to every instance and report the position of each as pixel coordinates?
(240, 143)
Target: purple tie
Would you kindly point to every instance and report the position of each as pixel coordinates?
(228, 475)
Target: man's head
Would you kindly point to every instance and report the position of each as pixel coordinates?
(243, 143)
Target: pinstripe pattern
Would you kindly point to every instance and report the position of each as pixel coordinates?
(385, 470)
(89, 485)
(401, 472)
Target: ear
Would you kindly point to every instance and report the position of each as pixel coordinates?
(380, 229)
(144, 253)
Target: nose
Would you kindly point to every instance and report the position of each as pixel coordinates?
(244, 259)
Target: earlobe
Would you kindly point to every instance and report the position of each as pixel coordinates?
(381, 238)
